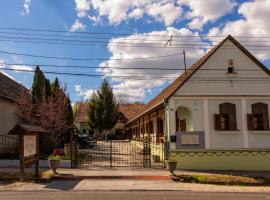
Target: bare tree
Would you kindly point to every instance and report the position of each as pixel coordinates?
(49, 113)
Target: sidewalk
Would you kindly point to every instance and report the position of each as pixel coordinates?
(114, 173)
(91, 184)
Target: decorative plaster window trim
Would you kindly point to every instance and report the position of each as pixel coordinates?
(228, 132)
(262, 131)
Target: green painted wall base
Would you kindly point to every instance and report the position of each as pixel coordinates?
(255, 160)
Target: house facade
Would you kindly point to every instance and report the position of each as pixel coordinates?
(9, 94)
(220, 104)
(127, 111)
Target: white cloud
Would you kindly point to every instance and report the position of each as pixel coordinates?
(77, 26)
(84, 93)
(82, 7)
(201, 11)
(167, 13)
(26, 7)
(20, 67)
(2, 65)
(136, 13)
(95, 19)
(117, 11)
(255, 23)
(135, 90)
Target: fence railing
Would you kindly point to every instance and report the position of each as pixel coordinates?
(8, 145)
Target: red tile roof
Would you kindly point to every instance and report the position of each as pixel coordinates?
(130, 110)
(127, 110)
(81, 114)
(176, 84)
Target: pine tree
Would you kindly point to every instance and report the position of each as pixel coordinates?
(40, 85)
(103, 112)
(54, 87)
(69, 115)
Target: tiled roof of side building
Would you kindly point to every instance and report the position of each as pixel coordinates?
(177, 83)
(127, 110)
(81, 114)
(9, 88)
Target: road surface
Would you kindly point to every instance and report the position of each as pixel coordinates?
(130, 195)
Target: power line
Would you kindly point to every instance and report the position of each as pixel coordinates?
(183, 43)
(111, 38)
(191, 46)
(248, 79)
(177, 68)
(119, 34)
(86, 59)
(90, 75)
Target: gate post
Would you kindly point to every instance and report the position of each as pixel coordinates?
(146, 154)
(111, 154)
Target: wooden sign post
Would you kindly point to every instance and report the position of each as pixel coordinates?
(28, 146)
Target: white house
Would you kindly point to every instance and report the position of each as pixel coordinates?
(220, 105)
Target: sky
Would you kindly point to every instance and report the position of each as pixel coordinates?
(101, 35)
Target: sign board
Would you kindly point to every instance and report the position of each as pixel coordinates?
(30, 146)
(190, 140)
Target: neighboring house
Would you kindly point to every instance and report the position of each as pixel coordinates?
(81, 119)
(127, 111)
(222, 102)
(9, 94)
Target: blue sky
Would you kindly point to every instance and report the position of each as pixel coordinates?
(147, 17)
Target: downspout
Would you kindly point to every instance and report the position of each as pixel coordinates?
(165, 103)
(166, 142)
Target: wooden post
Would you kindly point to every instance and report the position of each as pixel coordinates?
(149, 127)
(184, 53)
(37, 152)
(21, 155)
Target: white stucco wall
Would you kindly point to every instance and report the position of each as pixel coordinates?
(212, 87)
(221, 139)
(8, 118)
(215, 82)
(225, 139)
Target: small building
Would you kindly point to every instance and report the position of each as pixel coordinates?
(9, 94)
(127, 111)
(218, 107)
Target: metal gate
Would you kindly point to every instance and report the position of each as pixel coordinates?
(119, 153)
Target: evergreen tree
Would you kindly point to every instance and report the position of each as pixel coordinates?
(40, 85)
(69, 115)
(54, 87)
(103, 112)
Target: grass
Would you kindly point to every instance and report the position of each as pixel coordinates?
(223, 179)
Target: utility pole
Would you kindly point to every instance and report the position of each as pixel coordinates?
(185, 64)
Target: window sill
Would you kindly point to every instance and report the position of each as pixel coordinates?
(261, 131)
(228, 132)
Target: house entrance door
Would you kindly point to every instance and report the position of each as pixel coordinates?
(183, 125)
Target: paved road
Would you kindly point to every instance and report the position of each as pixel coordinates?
(128, 195)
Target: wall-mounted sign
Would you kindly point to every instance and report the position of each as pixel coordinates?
(190, 140)
(30, 145)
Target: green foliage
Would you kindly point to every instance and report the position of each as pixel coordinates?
(103, 112)
(53, 157)
(40, 85)
(54, 87)
(69, 114)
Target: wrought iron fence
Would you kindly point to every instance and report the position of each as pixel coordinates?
(120, 153)
(9, 146)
